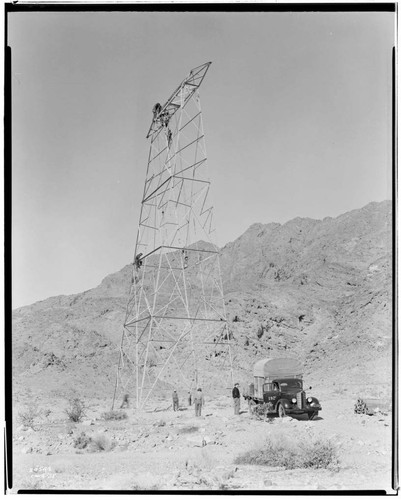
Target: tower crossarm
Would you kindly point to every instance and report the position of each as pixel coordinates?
(191, 83)
(186, 249)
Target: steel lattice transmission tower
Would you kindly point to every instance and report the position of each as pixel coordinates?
(175, 326)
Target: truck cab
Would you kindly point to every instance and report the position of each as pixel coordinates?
(289, 398)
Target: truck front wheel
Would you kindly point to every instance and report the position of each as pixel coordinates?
(312, 415)
(281, 411)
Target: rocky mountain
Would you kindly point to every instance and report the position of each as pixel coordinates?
(319, 290)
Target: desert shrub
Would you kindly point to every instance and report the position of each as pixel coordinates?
(114, 415)
(31, 484)
(146, 487)
(313, 454)
(223, 486)
(82, 441)
(319, 454)
(100, 442)
(30, 416)
(262, 411)
(76, 409)
(361, 407)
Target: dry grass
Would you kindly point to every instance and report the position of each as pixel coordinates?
(139, 487)
(30, 416)
(100, 442)
(31, 484)
(290, 454)
(114, 415)
(76, 409)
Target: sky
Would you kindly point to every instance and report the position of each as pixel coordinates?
(296, 113)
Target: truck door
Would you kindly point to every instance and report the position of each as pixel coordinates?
(271, 394)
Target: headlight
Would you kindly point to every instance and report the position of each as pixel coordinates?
(310, 400)
(293, 400)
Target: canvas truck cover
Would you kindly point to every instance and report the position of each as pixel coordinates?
(272, 368)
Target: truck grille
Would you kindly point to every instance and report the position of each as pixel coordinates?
(301, 399)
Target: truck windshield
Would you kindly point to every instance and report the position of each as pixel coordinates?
(290, 385)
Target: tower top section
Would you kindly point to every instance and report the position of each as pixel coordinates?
(163, 113)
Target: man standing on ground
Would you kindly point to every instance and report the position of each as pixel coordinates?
(199, 402)
(125, 403)
(175, 400)
(189, 398)
(236, 398)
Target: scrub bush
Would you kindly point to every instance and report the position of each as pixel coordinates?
(30, 416)
(81, 441)
(75, 409)
(100, 442)
(290, 454)
(114, 415)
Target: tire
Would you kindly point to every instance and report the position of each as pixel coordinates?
(312, 415)
(281, 411)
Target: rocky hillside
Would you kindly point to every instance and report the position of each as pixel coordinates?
(319, 290)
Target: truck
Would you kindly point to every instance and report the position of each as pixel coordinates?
(277, 389)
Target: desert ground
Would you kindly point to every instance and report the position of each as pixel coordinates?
(165, 450)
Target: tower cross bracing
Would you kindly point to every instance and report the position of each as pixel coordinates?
(175, 328)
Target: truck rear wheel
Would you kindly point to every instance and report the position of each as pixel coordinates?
(281, 411)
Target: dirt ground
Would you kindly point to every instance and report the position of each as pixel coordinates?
(166, 450)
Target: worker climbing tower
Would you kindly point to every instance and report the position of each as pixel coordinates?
(175, 330)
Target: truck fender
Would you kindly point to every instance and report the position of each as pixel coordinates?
(282, 401)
